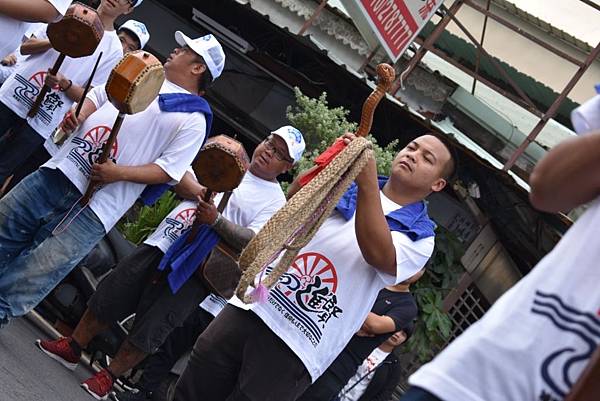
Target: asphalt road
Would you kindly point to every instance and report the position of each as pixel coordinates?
(26, 374)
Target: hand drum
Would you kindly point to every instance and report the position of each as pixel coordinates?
(135, 82)
(221, 164)
(78, 33)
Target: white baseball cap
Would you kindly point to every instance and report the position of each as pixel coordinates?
(208, 47)
(138, 29)
(293, 139)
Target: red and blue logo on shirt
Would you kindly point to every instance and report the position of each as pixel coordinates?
(306, 294)
(89, 148)
(183, 220)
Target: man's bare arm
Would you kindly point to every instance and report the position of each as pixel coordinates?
(30, 10)
(568, 175)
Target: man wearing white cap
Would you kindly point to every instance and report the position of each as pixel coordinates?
(155, 146)
(17, 17)
(133, 35)
(27, 134)
(163, 304)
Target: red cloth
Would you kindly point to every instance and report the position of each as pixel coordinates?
(323, 160)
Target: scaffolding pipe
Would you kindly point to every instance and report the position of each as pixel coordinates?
(553, 108)
(439, 28)
(478, 59)
(497, 66)
(523, 33)
(314, 15)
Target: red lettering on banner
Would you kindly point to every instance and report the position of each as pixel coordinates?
(393, 21)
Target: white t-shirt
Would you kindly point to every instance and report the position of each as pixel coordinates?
(352, 391)
(7, 70)
(12, 30)
(169, 139)
(213, 304)
(329, 290)
(251, 204)
(537, 338)
(20, 89)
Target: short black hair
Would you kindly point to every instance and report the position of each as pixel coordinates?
(132, 35)
(206, 79)
(451, 167)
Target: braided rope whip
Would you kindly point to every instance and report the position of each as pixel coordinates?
(294, 225)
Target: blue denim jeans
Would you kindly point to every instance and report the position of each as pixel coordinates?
(32, 259)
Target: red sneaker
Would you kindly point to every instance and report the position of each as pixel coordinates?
(61, 351)
(99, 385)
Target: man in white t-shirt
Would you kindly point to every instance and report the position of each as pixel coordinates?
(10, 63)
(136, 286)
(20, 135)
(379, 234)
(536, 340)
(16, 17)
(45, 230)
(133, 35)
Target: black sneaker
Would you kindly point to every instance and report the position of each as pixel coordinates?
(132, 395)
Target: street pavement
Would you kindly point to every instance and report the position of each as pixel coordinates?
(26, 374)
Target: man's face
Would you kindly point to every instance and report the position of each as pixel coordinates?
(271, 157)
(128, 42)
(182, 59)
(421, 163)
(397, 339)
(116, 8)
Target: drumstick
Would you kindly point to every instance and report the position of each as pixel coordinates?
(60, 135)
(106, 148)
(40, 97)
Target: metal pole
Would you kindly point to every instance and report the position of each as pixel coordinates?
(315, 14)
(369, 58)
(523, 33)
(553, 108)
(478, 59)
(591, 4)
(497, 66)
(484, 80)
(439, 28)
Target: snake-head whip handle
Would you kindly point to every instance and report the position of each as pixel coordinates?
(386, 75)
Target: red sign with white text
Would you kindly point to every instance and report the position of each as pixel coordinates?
(397, 22)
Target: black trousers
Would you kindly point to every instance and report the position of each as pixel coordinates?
(238, 358)
(418, 394)
(325, 388)
(158, 365)
(18, 141)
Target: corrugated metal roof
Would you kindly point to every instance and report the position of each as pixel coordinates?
(543, 25)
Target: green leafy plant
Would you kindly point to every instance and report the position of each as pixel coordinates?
(138, 227)
(433, 328)
(321, 125)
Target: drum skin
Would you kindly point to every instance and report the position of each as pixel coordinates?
(78, 33)
(135, 82)
(221, 164)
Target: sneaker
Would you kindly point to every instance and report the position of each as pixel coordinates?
(60, 350)
(99, 385)
(132, 395)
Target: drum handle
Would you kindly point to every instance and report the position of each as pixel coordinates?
(195, 225)
(45, 88)
(104, 157)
